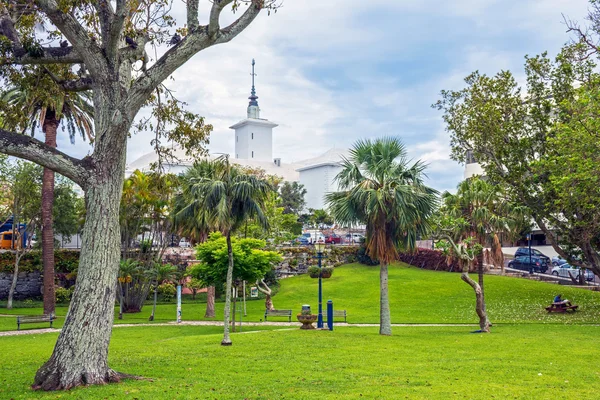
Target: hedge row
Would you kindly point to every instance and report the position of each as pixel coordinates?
(66, 261)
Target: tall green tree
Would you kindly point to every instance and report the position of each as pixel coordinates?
(108, 43)
(230, 198)
(37, 100)
(23, 182)
(292, 197)
(540, 141)
(383, 191)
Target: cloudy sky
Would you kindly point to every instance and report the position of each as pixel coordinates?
(332, 71)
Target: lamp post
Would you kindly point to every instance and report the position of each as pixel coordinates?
(319, 247)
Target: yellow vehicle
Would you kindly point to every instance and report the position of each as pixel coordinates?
(6, 240)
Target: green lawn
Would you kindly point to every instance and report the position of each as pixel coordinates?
(416, 296)
(516, 361)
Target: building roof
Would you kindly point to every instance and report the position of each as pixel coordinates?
(332, 156)
(288, 171)
(254, 121)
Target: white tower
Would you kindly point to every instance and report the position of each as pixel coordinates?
(254, 135)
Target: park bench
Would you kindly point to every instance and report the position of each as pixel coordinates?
(561, 308)
(336, 314)
(279, 313)
(32, 319)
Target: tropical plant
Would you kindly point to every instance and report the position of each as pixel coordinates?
(231, 197)
(381, 190)
(160, 273)
(39, 101)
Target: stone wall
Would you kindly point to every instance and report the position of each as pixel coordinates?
(29, 285)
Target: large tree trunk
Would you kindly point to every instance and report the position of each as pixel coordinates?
(226, 339)
(484, 324)
(385, 319)
(210, 302)
(49, 127)
(80, 356)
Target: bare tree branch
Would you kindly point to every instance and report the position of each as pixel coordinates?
(89, 51)
(186, 49)
(77, 85)
(117, 26)
(215, 13)
(192, 14)
(105, 16)
(28, 148)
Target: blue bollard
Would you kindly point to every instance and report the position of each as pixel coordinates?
(330, 315)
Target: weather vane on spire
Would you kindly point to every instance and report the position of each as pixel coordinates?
(253, 97)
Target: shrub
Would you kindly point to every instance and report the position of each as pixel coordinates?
(63, 295)
(167, 291)
(429, 259)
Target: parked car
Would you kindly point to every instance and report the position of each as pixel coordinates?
(333, 239)
(313, 236)
(183, 242)
(524, 251)
(564, 270)
(538, 264)
(557, 260)
(354, 238)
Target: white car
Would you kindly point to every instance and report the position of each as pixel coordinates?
(354, 238)
(184, 243)
(564, 269)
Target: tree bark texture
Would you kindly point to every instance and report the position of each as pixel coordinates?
(210, 302)
(385, 322)
(226, 339)
(80, 356)
(480, 305)
(50, 126)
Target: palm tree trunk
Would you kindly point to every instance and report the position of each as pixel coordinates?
(50, 126)
(226, 339)
(385, 323)
(154, 306)
(210, 302)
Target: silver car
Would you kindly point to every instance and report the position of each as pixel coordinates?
(564, 270)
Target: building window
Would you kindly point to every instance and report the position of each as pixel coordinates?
(252, 135)
(253, 154)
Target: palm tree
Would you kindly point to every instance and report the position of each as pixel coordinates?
(45, 102)
(160, 273)
(190, 219)
(381, 190)
(226, 198)
(486, 214)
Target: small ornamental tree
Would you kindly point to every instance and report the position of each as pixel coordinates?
(250, 262)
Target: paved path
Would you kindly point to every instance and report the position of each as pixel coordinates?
(217, 323)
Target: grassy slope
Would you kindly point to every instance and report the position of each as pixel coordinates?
(416, 296)
(417, 363)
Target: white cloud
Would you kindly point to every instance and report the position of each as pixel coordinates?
(332, 71)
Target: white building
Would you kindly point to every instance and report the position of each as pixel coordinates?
(254, 148)
(318, 176)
